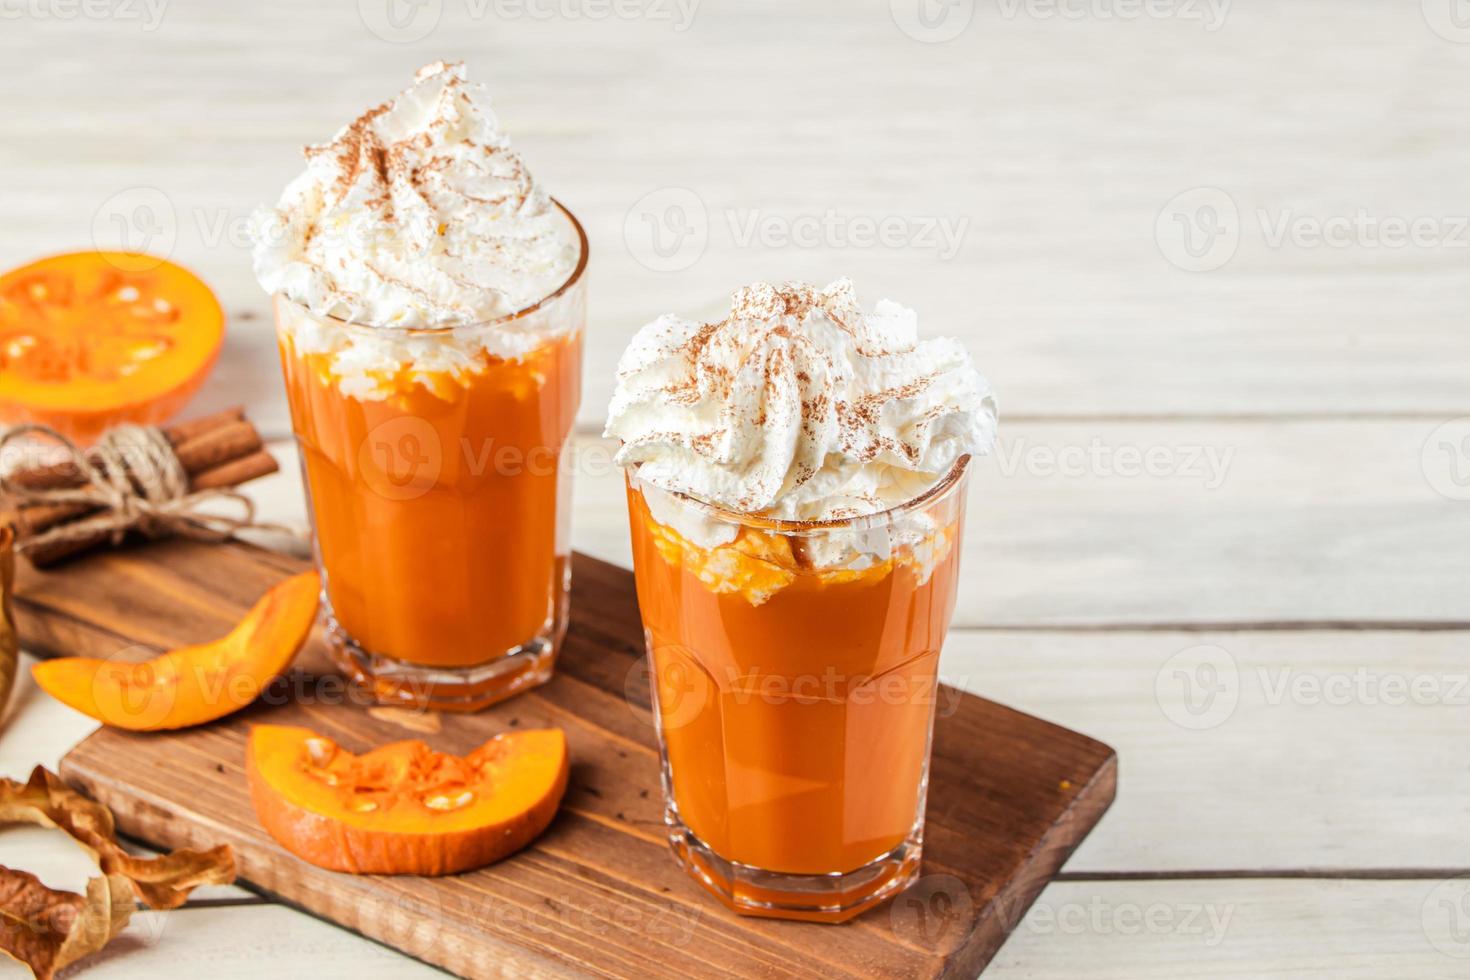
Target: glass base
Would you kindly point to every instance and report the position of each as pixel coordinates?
(828, 898)
(463, 689)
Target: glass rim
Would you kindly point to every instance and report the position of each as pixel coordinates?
(940, 489)
(576, 275)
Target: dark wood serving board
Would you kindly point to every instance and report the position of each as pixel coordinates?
(599, 893)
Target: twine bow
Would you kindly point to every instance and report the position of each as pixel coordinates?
(134, 479)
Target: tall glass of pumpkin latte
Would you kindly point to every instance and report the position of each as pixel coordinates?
(796, 477)
(429, 304)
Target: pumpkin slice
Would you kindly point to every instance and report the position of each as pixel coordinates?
(194, 684)
(404, 808)
(92, 339)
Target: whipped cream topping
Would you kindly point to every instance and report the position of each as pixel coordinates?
(798, 406)
(416, 214)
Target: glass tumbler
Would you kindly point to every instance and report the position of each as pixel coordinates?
(437, 477)
(795, 673)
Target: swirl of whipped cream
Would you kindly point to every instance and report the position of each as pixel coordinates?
(417, 214)
(798, 405)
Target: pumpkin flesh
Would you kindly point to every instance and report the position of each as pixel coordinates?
(89, 340)
(404, 808)
(194, 684)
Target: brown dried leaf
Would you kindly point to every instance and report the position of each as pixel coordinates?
(9, 648)
(48, 930)
(163, 882)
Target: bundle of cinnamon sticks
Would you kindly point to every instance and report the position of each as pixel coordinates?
(216, 451)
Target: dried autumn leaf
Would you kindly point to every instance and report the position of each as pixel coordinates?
(163, 882)
(9, 648)
(48, 930)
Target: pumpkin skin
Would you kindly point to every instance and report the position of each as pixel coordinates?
(194, 684)
(404, 808)
(89, 340)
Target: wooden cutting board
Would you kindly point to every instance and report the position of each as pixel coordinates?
(598, 894)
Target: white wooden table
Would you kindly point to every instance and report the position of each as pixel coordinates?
(1213, 255)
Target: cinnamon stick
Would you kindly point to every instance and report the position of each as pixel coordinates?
(63, 474)
(50, 554)
(230, 441)
(216, 451)
(182, 432)
(236, 472)
(36, 518)
(31, 521)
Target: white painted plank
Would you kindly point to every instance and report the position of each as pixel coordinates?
(1056, 142)
(1253, 751)
(1251, 930)
(38, 730)
(243, 942)
(1133, 930)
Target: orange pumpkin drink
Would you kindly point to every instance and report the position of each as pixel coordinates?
(796, 478)
(430, 308)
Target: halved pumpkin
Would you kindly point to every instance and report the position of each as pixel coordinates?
(404, 808)
(194, 684)
(92, 339)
